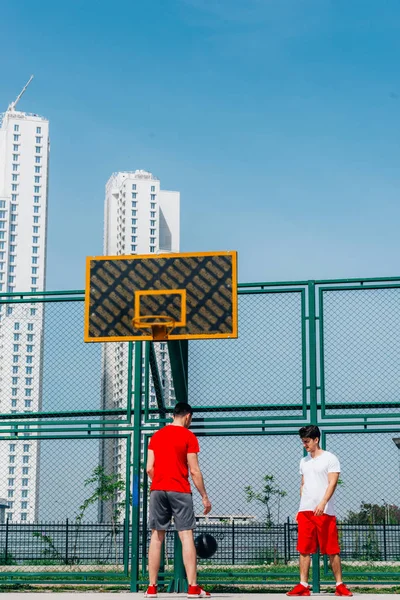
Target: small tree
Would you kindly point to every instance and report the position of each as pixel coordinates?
(270, 496)
(106, 490)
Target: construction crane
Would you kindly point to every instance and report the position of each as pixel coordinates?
(12, 106)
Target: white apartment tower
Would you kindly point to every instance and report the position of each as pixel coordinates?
(139, 218)
(24, 152)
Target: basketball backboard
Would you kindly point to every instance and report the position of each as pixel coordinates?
(161, 296)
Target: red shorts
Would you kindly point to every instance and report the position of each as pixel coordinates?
(317, 532)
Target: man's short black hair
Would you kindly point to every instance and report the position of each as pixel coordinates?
(182, 409)
(311, 431)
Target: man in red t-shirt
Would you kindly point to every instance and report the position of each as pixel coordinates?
(172, 455)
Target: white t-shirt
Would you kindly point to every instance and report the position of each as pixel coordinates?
(315, 473)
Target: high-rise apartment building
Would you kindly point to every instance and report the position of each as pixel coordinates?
(140, 218)
(24, 153)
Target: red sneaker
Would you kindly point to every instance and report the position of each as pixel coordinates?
(299, 590)
(195, 591)
(151, 592)
(342, 590)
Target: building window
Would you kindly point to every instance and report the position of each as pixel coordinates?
(24, 516)
(152, 197)
(38, 130)
(16, 138)
(14, 178)
(35, 239)
(26, 447)
(25, 481)
(13, 208)
(28, 392)
(30, 326)
(15, 358)
(36, 199)
(28, 370)
(152, 205)
(14, 391)
(13, 218)
(37, 169)
(134, 238)
(153, 188)
(152, 214)
(11, 458)
(35, 229)
(29, 360)
(36, 219)
(36, 189)
(152, 223)
(25, 459)
(15, 369)
(37, 159)
(11, 447)
(133, 194)
(16, 127)
(24, 493)
(152, 240)
(37, 149)
(25, 470)
(10, 493)
(24, 504)
(29, 348)
(36, 209)
(38, 140)
(11, 481)
(13, 403)
(152, 249)
(133, 248)
(11, 470)
(37, 178)
(35, 249)
(16, 347)
(134, 186)
(15, 167)
(33, 311)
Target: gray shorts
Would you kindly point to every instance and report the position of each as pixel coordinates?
(164, 505)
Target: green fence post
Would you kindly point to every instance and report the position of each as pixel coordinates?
(312, 343)
(136, 468)
(127, 505)
(179, 582)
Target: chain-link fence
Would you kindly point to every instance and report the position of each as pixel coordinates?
(313, 352)
(310, 352)
(64, 440)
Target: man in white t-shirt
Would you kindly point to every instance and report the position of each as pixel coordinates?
(316, 519)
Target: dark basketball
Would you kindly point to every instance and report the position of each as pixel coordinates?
(206, 545)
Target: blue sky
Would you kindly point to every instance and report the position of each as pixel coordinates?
(277, 120)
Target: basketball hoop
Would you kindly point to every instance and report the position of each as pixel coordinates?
(160, 325)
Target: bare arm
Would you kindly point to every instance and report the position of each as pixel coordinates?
(332, 483)
(150, 464)
(197, 478)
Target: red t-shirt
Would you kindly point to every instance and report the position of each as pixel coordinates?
(171, 445)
